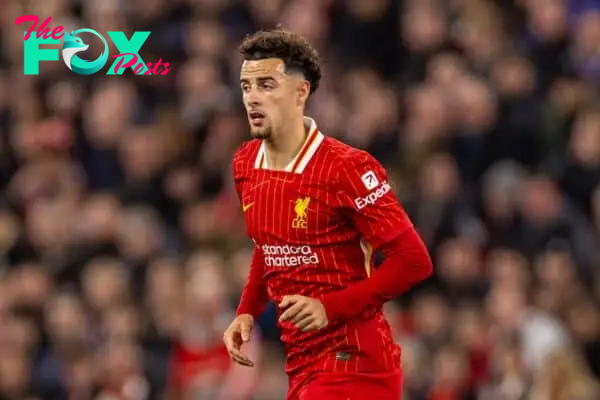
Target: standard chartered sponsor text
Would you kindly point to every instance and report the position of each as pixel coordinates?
(288, 255)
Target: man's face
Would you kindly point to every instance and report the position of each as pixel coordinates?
(269, 95)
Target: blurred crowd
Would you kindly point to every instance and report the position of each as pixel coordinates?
(122, 246)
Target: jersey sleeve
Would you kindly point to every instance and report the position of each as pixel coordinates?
(238, 176)
(254, 298)
(365, 195)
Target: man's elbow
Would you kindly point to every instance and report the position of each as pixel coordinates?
(422, 260)
(410, 251)
(425, 267)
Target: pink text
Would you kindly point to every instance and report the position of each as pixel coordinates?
(56, 33)
(139, 68)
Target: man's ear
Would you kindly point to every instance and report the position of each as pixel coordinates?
(303, 90)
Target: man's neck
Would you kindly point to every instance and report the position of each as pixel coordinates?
(284, 146)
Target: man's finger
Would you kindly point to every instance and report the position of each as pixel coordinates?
(245, 332)
(288, 300)
(242, 361)
(317, 323)
(228, 340)
(291, 311)
(240, 357)
(303, 313)
(312, 326)
(304, 322)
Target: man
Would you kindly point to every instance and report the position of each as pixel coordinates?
(316, 209)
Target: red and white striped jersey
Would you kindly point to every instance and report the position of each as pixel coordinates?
(315, 225)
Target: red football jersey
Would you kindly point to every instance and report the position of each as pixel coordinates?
(315, 225)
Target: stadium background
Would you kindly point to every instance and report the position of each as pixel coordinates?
(121, 240)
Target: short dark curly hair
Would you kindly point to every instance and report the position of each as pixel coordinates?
(297, 53)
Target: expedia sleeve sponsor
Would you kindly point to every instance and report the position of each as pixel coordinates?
(288, 256)
(372, 197)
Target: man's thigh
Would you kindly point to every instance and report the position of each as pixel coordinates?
(349, 386)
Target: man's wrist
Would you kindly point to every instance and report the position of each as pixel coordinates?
(331, 303)
(246, 315)
(245, 311)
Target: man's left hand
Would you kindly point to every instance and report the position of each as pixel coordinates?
(306, 313)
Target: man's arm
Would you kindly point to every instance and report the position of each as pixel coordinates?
(254, 297)
(365, 194)
(406, 263)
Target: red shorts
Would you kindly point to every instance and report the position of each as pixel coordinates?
(346, 386)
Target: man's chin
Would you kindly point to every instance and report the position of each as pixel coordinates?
(260, 134)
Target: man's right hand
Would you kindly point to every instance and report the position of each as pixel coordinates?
(236, 335)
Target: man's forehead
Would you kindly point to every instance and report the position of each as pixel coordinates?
(267, 66)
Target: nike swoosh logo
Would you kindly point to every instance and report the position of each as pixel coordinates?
(245, 207)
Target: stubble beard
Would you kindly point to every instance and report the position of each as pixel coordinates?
(261, 133)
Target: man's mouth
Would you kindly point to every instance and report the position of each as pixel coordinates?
(256, 117)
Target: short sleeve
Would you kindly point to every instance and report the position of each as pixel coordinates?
(365, 194)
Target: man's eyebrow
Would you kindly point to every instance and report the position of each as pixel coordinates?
(266, 78)
(259, 78)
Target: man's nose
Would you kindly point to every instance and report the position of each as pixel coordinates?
(252, 98)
